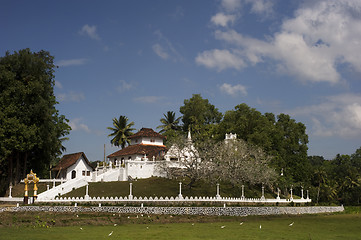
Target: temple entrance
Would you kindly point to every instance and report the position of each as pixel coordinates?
(30, 178)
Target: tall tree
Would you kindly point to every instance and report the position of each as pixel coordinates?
(121, 131)
(199, 115)
(169, 122)
(285, 139)
(249, 125)
(290, 142)
(31, 128)
(239, 162)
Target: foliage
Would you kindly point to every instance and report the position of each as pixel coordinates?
(282, 143)
(31, 129)
(170, 127)
(121, 131)
(232, 161)
(338, 180)
(169, 122)
(199, 116)
(284, 139)
(238, 162)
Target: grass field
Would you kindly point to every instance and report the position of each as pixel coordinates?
(335, 226)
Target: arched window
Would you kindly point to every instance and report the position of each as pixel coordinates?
(73, 174)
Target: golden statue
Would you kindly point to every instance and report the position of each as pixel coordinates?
(30, 178)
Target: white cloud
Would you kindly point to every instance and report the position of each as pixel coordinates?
(158, 49)
(221, 19)
(165, 49)
(90, 31)
(338, 115)
(233, 90)
(262, 7)
(58, 85)
(149, 99)
(310, 46)
(71, 62)
(179, 13)
(125, 86)
(77, 125)
(70, 97)
(231, 5)
(220, 59)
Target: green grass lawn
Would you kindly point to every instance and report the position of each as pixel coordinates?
(335, 226)
(161, 187)
(154, 186)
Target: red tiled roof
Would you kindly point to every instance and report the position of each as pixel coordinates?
(149, 150)
(146, 132)
(70, 159)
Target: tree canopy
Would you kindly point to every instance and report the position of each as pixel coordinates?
(121, 131)
(169, 122)
(199, 115)
(31, 128)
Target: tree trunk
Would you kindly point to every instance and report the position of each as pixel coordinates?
(10, 170)
(25, 164)
(318, 192)
(17, 169)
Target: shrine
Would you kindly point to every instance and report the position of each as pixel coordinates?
(30, 178)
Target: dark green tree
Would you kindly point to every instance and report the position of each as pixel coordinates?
(283, 138)
(249, 125)
(169, 122)
(199, 116)
(290, 141)
(121, 131)
(31, 128)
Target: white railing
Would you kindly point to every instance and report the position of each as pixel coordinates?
(130, 198)
(87, 199)
(56, 180)
(64, 188)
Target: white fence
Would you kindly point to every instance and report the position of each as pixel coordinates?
(86, 199)
(63, 188)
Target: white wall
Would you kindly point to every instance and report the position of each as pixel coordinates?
(79, 167)
(147, 140)
(141, 169)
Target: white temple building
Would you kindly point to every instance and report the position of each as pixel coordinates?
(141, 159)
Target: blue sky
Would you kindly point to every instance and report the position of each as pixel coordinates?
(143, 58)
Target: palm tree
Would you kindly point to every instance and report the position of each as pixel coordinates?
(121, 131)
(169, 122)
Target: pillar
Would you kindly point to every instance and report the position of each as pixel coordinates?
(47, 187)
(307, 195)
(302, 193)
(26, 196)
(242, 197)
(180, 190)
(291, 194)
(218, 196)
(130, 190)
(262, 198)
(86, 191)
(278, 194)
(10, 189)
(35, 192)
